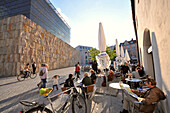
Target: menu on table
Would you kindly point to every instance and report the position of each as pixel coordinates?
(128, 90)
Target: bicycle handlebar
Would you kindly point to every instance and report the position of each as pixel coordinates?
(27, 103)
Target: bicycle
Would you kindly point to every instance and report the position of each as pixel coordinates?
(77, 100)
(23, 74)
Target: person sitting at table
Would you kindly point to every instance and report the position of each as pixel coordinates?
(147, 98)
(141, 71)
(69, 82)
(135, 73)
(86, 80)
(93, 76)
(110, 76)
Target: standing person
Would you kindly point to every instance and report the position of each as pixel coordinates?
(93, 76)
(44, 76)
(125, 69)
(77, 70)
(55, 81)
(94, 66)
(34, 67)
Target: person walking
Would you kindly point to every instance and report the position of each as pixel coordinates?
(44, 76)
(77, 70)
(34, 67)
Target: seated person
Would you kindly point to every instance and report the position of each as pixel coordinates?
(135, 73)
(111, 76)
(93, 76)
(149, 97)
(27, 69)
(141, 71)
(69, 82)
(86, 81)
(112, 68)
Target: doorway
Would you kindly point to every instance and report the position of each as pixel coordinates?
(147, 54)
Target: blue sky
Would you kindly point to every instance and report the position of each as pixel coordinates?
(84, 16)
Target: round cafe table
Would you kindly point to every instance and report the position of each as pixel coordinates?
(117, 86)
(133, 83)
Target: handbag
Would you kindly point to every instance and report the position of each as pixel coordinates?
(104, 82)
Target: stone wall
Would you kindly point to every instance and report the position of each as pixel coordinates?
(23, 41)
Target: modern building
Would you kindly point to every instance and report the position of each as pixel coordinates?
(151, 19)
(131, 47)
(84, 54)
(42, 12)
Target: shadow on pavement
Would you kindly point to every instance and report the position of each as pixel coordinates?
(16, 99)
(9, 83)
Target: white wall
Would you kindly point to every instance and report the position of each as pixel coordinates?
(154, 15)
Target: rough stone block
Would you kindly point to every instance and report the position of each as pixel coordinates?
(8, 68)
(2, 58)
(12, 20)
(19, 49)
(13, 69)
(2, 72)
(18, 67)
(5, 35)
(1, 50)
(2, 43)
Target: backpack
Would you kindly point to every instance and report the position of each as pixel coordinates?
(41, 73)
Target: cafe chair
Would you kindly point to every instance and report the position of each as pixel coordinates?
(123, 79)
(91, 89)
(63, 89)
(134, 106)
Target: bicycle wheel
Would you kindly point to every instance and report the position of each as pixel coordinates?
(39, 109)
(33, 75)
(79, 104)
(20, 77)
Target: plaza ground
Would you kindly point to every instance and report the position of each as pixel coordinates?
(12, 91)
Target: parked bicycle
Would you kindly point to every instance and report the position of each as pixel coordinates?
(23, 74)
(74, 97)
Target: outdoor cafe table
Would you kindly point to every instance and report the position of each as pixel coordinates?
(117, 86)
(134, 82)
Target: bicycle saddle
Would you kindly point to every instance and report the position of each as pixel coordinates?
(45, 91)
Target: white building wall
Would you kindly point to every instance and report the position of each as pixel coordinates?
(154, 16)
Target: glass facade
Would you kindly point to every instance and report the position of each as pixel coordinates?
(41, 12)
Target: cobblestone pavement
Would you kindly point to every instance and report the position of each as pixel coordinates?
(12, 91)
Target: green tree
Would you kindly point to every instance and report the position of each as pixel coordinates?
(110, 52)
(114, 54)
(93, 52)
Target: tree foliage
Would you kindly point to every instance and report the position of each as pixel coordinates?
(94, 52)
